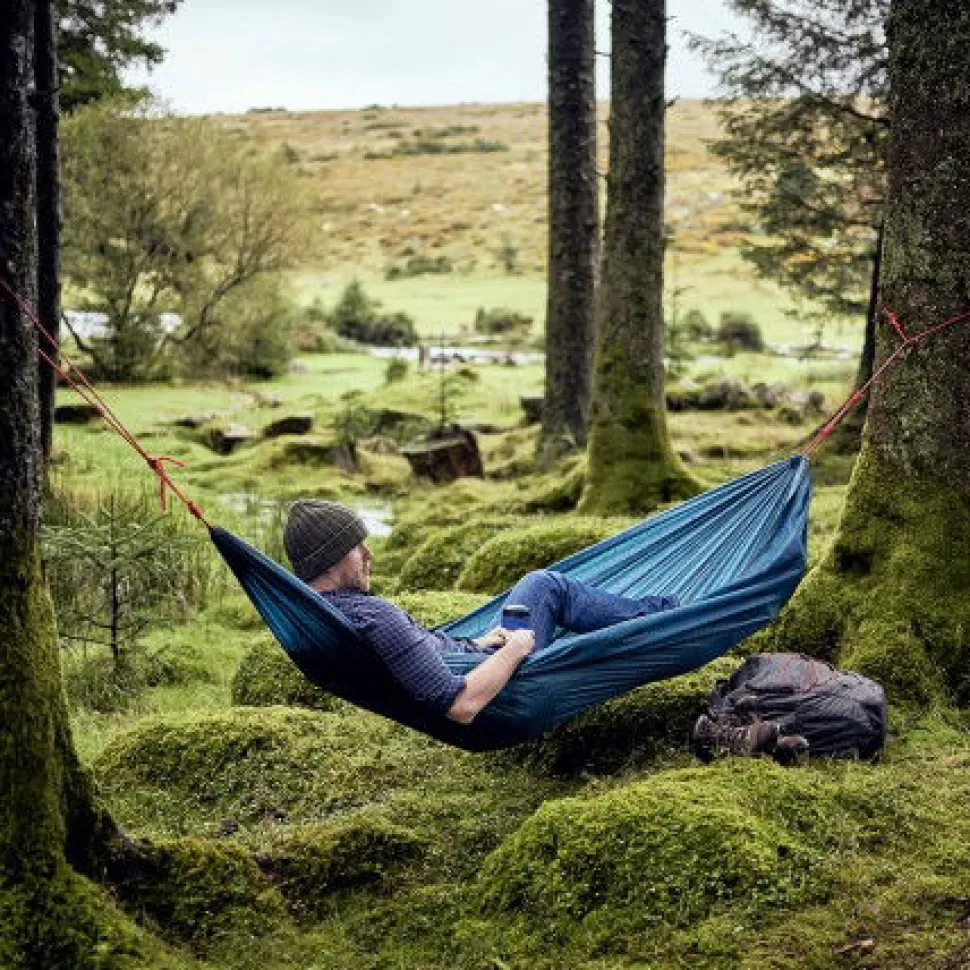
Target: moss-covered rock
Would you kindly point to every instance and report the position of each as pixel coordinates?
(500, 562)
(199, 893)
(217, 771)
(439, 560)
(266, 677)
(309, 863)
(435, 608)
(629, 731)
(742, 836)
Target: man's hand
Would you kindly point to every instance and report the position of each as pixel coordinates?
(525, 640)
(490, 676)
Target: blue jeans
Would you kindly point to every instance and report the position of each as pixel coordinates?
(555, 600)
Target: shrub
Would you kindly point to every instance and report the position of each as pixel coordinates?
(696, 326)
(500, 321)
(739, 331)
(355, 317)
(503, 560)
(396, 371)
(419, 266)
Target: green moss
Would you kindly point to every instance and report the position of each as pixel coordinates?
(503, 560)
(743, 836)
(438, 561)
(309, 863)
(890, 596)
(64, 922)
(560, 490)
(633, 467)
(436, 608)
(266, 677)
(198, 892)
(632, 730)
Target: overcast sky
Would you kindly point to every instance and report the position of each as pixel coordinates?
(230, 55)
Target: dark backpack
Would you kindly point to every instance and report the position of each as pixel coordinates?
(842, 714)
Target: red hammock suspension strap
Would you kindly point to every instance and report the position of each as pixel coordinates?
(88, 392)
(905, 342)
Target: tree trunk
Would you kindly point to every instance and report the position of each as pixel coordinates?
(49, 916)
(48, 205)
(892, 596)
(573, 227)
(848, 436)
(632, 465)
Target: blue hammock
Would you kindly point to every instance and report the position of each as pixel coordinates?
(733, 555)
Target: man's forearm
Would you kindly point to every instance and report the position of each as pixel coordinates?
(485, 681)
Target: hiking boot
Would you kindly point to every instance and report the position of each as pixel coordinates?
(791, 750)
(710, 738)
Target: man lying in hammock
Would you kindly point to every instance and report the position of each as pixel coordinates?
(325, 544)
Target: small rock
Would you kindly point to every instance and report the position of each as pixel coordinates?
(298, 367)
(225, 440)
(268, 399)
(292, 424)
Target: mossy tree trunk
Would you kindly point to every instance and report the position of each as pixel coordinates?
(892, 595)
(847, 437)
(573, 227)
(632, 465)
(48, 203)
(50, 825)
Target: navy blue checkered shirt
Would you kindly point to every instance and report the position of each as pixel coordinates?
(412, 652)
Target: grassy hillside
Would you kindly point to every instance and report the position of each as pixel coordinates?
(466, 184)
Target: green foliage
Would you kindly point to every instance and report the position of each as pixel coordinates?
(250, 335)
(501, 561)
(806, 132)
(96, 42)
(116, 565)
(310, 863)
(507, 255)
(439, 559)
(740, 332)
(433, 146)
(397, 370)
(173, 214)
(502, 322)
(696, 325)
(419, 265)
(266, 677)
(356, 317)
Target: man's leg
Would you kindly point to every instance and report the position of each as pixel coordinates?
(556, 600)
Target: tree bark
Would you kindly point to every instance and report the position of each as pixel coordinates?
(632, 465)
(49, 916)
(892, 596)
(48, 205)
(847, 438)
(573, 227)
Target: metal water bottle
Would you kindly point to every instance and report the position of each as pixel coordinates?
(516, 617)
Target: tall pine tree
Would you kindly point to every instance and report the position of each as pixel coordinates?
(632, 465)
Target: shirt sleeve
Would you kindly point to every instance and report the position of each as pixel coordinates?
(410, 653)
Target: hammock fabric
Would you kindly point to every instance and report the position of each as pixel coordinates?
(733, 555)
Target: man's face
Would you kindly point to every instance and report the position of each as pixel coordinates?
(358, 564)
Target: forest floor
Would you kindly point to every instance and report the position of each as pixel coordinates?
(312, 835)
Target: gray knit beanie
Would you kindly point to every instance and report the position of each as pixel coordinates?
(319, 534)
